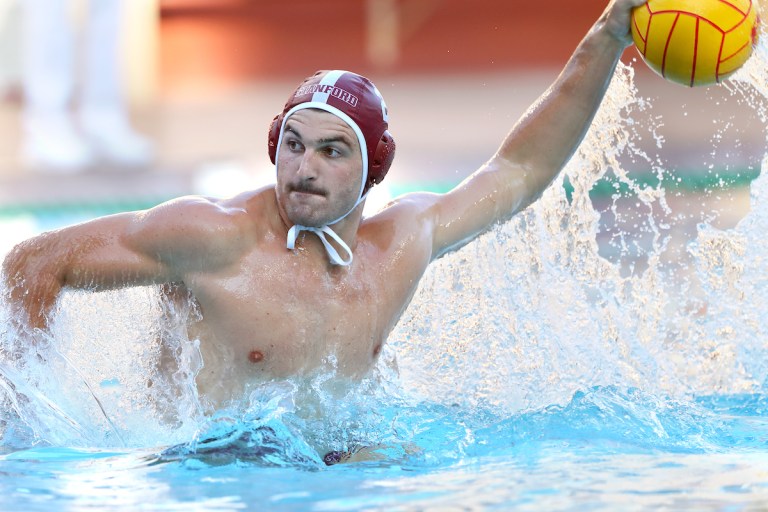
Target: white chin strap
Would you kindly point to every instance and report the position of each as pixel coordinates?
(333, 254)
(319, 102)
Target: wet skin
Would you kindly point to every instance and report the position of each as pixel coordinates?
(267, 312)
(270, 313)
(259, 325)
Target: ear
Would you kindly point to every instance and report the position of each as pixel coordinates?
(382, 159)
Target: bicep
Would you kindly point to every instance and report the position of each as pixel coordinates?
(160, 245)
(154, 246)
(105, 254)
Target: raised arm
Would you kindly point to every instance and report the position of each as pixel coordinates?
(130, 249)
(541, 142)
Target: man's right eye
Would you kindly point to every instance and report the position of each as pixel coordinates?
(293, 145)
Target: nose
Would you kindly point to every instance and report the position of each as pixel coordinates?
(307, 168)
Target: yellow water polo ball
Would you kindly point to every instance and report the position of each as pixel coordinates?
(695, 42)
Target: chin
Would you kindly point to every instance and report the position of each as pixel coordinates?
(306, 216)
(304, 219)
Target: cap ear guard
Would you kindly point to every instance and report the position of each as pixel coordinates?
(378, 168)
(274, 137)
(382, 160)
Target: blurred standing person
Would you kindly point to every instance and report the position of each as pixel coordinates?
(66, 132)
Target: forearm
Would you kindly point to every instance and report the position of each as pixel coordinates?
(546, 137)
(36, 270)
(542, 141)
(33, 277)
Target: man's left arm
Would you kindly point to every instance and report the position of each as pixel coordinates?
(541, 142)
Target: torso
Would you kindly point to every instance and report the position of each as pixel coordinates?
(275, 313)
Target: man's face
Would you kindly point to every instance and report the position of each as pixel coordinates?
(319, 168)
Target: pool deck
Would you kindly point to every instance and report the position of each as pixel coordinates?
(444, 130)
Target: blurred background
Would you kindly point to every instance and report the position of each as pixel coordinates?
(198, 81)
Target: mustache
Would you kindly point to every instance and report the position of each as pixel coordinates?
(306, 188)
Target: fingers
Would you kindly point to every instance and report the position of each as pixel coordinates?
(616, 19)
(628, 5)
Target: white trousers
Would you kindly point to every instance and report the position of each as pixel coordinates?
(57, 63)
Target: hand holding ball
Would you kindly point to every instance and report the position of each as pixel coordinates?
(695, 42)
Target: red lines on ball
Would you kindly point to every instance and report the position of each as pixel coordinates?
(694, 38)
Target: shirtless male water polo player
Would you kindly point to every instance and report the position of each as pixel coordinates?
(290, 274)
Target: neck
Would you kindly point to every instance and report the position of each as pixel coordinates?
(347, 227)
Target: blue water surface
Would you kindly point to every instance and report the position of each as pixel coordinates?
(606, 448)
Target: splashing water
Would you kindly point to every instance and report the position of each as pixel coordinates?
(549, 316)
(558, 321)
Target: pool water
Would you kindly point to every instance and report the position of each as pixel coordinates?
(579, 357)
(603, 450)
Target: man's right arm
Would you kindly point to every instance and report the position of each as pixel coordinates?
(129, 249)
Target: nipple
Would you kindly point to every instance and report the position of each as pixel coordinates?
(255, 356)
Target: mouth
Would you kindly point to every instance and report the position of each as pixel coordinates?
(308, 191)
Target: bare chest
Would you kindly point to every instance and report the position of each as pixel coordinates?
(278, 320)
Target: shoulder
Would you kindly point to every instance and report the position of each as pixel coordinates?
(192, 210)
(407, 216)
(203, 214)
(198, 225)
(404, 225)
(415, 206)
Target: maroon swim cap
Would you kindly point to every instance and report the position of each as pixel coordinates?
(355, 100)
